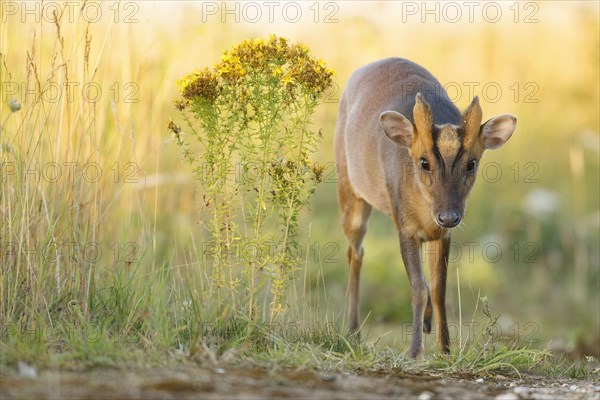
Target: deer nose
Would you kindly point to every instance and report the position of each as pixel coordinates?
(448, 219)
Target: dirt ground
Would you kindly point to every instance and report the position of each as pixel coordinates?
(257, 383)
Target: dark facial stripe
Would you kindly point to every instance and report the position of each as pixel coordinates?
(435, 134)
(440, 159)
(461, 151)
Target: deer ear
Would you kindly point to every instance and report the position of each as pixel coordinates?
(496, 131)
(397, 127)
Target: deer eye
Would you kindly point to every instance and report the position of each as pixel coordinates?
(471, 165)
(425, 164)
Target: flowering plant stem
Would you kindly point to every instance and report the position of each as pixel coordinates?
(253, 109)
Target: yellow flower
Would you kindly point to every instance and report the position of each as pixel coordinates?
(288, 80)
(201, 84)
(292, 64)
(224, 69)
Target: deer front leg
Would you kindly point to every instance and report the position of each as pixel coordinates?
(411, 256)
(438, 269)
(356, 216)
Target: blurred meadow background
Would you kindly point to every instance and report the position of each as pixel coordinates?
(100, 222)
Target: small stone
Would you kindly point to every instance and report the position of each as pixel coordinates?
(507, 396)
(219, 370)
(573, 387)
(480, 380)
(26, 371)
(328, 378)
(521, 390)
(425, 396)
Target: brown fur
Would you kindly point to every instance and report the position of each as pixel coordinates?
(393, 114)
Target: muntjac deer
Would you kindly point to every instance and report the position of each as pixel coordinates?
(404, 148)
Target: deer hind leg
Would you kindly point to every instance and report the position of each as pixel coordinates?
(428, 314)
(356, 214)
